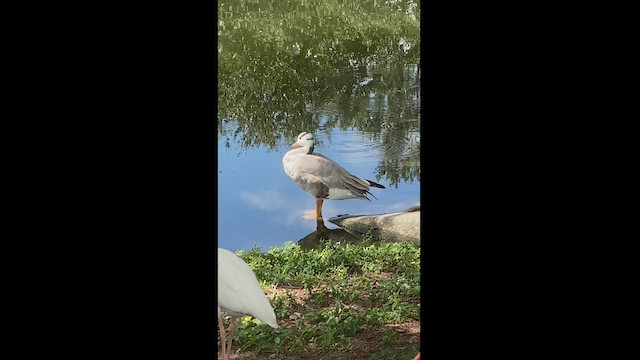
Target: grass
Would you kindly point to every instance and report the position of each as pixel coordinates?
(340, 301)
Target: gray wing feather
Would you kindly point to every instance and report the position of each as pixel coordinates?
(330, 174)
(312, 184)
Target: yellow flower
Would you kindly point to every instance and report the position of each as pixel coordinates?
(246, 320)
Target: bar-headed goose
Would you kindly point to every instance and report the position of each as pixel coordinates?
(322, 177)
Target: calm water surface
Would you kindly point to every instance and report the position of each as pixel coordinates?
(259, 205)
(346, 71)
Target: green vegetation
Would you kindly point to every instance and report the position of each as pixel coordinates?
(341, 301)
(294, 65)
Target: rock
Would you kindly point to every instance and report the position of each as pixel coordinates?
(312, 241)
(398, 227)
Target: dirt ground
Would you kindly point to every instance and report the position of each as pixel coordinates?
(363, 345)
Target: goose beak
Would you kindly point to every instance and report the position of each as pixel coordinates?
(295, 145)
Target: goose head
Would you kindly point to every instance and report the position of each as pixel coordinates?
(305, 140)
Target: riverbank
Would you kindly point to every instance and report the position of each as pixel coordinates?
(341, 301)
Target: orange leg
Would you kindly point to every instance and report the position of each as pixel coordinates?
(417, 357)
(319, 207)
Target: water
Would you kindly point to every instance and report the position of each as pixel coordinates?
(349, 73)
(259, 205)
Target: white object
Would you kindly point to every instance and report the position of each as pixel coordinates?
(239, 294)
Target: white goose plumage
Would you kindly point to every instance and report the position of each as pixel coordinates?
(322, 177)
(239, 294)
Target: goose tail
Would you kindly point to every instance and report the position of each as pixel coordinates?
(375, 184)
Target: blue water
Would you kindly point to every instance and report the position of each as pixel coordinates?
(259, 205)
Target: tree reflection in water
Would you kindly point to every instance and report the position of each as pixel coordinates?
(290, 66)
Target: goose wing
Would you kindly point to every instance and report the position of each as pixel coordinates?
(337, 180)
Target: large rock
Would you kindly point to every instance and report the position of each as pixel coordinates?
(398, 227)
